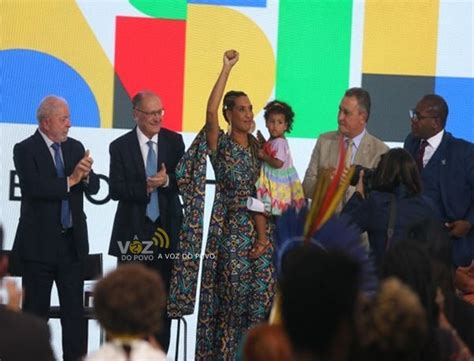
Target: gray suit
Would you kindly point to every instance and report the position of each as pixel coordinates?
(326, 153)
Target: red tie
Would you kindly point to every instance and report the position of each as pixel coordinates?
(420, 154)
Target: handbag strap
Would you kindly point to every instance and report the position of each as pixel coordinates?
(391, 220)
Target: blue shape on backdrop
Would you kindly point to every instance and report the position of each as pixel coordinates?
(253, 3)
(459, 94)
(27, 76)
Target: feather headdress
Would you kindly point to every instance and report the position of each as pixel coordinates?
(319, 226)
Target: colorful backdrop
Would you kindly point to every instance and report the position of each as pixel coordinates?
(97, 54)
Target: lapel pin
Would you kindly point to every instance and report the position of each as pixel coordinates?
(443, 161)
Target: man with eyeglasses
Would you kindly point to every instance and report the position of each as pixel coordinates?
(446, 165)
(362, 148)
(143, 180)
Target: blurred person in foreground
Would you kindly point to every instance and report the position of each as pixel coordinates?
(22, 336)
(409, 262)
(265, 342)
(319, 292)
(129, 303)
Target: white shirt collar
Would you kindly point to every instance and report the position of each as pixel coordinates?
(357, 139)
(48, 141)
(436, 139)
(143, 139)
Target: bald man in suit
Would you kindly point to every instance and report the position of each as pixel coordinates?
(148, 204)
(354, 111)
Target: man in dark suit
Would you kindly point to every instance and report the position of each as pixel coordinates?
(143, 180)
(447, 170)
(51, 239)
(22, 336)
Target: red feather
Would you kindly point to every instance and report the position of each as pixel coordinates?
(331, 189)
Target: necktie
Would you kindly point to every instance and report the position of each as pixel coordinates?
(152, 209)
(65, 211)
(421, 152)
(348, 160)
(347, 164)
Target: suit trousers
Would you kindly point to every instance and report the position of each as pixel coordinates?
(67, 272)
(161, 263)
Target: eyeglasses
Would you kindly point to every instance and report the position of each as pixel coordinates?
(155, 113)
(414, 115)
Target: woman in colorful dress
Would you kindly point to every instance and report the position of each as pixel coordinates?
(236, 291)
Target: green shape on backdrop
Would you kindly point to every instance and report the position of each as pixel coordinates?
(313, 62)
(163, 9)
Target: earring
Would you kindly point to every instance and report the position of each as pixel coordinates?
(229, 128)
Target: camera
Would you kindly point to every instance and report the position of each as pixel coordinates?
(367, 180)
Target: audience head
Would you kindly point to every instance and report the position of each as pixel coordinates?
(318, 292)
(130, 301)
(397, 168)
(393, 327)
(238, 111)
(148, 112)
(54, 118)
(429, 116)
(354, 111)
(265, 342)
(277, 107)
(410, 263)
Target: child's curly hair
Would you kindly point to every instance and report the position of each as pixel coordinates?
(279, 107)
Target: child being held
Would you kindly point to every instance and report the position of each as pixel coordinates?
(278, 186)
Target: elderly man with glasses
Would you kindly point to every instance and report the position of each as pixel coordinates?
(142, 179)
(446, 165)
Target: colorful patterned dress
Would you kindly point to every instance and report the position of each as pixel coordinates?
(279, 188)
(236, 292)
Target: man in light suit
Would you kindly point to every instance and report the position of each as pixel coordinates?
(143, 180)
(51, 239)
(447, 171)
(365, 149)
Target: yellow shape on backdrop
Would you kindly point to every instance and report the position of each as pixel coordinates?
(210, 31)
(401, 37)
(58, 28)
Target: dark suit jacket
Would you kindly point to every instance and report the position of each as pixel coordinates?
(39, 228)
(128, 186)
(23, 337)
(372, 215)
(456, 183)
